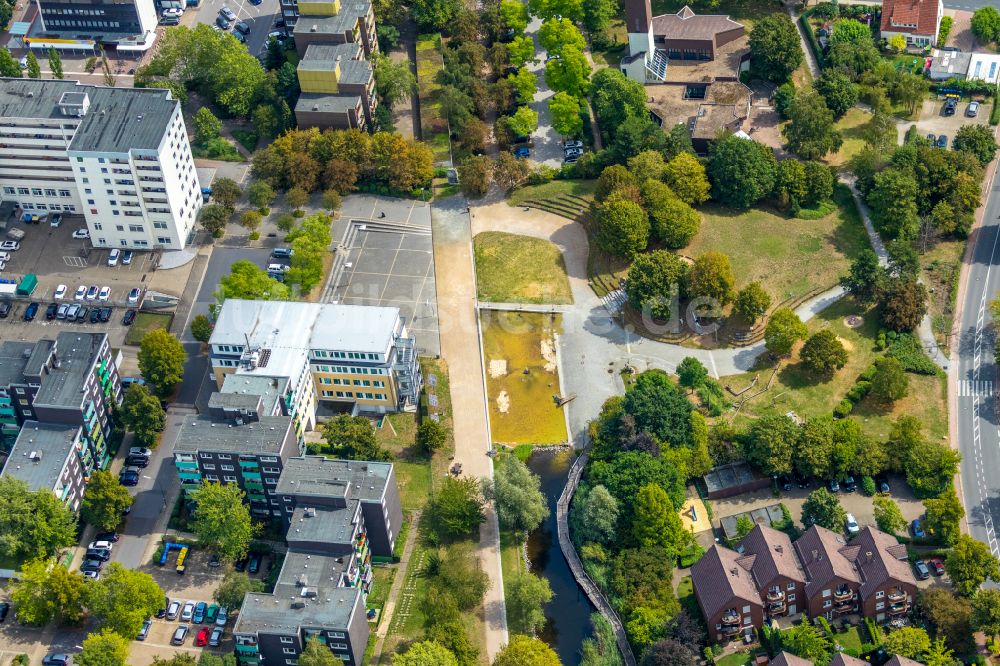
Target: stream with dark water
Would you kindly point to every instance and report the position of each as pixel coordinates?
(569, 611)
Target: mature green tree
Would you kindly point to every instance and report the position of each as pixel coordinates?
(890, 382)
(625, 473)
(8, 65)
(986, 24)
(524, 121)
(660, 408)
(823, 352)
(475, 174)
(672, 221)
(214, 218)
(616, 98)
(514, 14)
(970, 565)
(654, 283)
(669, 652)
(814, 449)
(310, 242)
(521, 50)
(426, 653)
(742, 171)
(823, 508)
(526, 651)
(34, 70)
(105, 500)
(222, 520)
(570, 73)
(394, 82)
(161, 361)
(783, 330)
(978, 140)
(691, 373)
(851, 31)
(614, 178)
(775, 47)
(791, 186)
(352, 438)
(893, 203)
(250, 219)
(930, 467)
(44, 592)
(711, 276)
(811, 133)
(226, 192)
(32, 523)
(201, 328)
(557, 33)
(317, 653)
(122, 599)
(838, 91)
(647, 164)
(247, 280)
(944, 516)
(985, 615)
(686, 177)
(206, 127)
(525, 595)
(744, 526)
(752, 302)
(888, 517)
(819, 182)
(905, 305)
(431, 435)
(573, 9)
(516, 492)
(807, 641)
(234, 586)
(142, 413)
(457, 507)
(296, 198)
(260, 194)
(909, 642)
(565, 112)
(656, 523)
(525, 83)
(435, 14)
(867, 278)
(909, 90)
(622, 227)
(597, 513)
(949, 615)
(104, 649)
(55, 64)
(939, 654)
(770, 443)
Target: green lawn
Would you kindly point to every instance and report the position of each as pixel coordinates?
(434, 128)
(519, 269)
(796, 389)
(742, 658)
(940, 272)
(522, 378)
(851, 127)
(553, 190)
(146, 322)
(789, 257)
(850, 639)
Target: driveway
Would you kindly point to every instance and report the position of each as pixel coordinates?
(546, 149)
(932, 121)
(222, 260)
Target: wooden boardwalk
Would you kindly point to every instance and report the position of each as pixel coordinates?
(576, 566)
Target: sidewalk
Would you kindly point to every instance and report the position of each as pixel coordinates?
(397, 586)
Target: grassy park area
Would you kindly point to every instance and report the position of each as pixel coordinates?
(519, 269)
(851, 126)
(433, 126)
(522, 377)
(146, 322)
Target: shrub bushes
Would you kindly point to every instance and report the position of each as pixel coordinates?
(906, 348)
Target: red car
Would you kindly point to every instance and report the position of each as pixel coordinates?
(937, 566)
(202, 639)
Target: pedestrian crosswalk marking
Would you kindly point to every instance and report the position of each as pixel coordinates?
(975, 388)
(614, 300)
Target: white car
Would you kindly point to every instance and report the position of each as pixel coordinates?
(56, 220)
(113, 257)
(92, 292)
(105, 294)
(851, 524)
(187, 612)
(12, 246)
(81, 234)
(133, 295)
(3, 264)
(105, 545)
(4, 256)
(173, 11)
(93, 575)
(60, 291)
(81, 293)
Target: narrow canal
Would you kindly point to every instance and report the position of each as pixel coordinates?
(569, 611)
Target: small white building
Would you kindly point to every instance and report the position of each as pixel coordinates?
(918, 21)
(984, 67)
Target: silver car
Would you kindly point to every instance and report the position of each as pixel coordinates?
(188, 612)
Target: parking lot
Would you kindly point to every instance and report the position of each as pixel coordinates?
(259, 17)
(933, 121)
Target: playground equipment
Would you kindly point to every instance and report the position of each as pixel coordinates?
(167, 547)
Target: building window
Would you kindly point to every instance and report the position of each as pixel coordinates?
(790, 586)
(227, 468)
(208, 467)
(338, 646)
(286, 639)
(880, 605)
(288, 650)
(827, 603)
(879, 594)
(826, 593)
(229, 479)
(791, 597)
(335, 634)
(225, 456)
(205, 456)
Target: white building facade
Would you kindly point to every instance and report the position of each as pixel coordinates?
(118, 156)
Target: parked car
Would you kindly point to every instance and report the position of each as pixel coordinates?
(104, 294)
(282, 252)
(144, 631)
(129, 318)
(71, 311)
(60, 292)
(137, 461)
(222, 22)
(833, 486)
(201, 640)
(242, 28)
(216, 637)
(129, 476)
(228, 13)
(180, 633)
(10, 246)
(127, 257)
(187, 612)
(81, 234)
(107, 536)
(972, 110)
(4, 609)
(140, 451)
(114, 256)
(100, 543)
(62, 310)
(950, 105)
(95, 316)
(850, 485)
(211, 614)
(199, 612)
(31, 311)
(133, 295)
(882, 485)
(923, 572)
(92, 292)
(917, 529)
(55, 659)
(162, 612)
(81, 314)
(851, 524)
(92, 575)
(92, 565)
(173, 610)
(50, 312)
(102, 554)
(5, 307)
(937, 566)
(785, 482)
(942, 141)
(104, 314)
(220, 619)
(81, 293)
(241, 565)
(521, 151)
(254, 564)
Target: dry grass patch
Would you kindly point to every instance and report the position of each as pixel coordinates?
(519, 269)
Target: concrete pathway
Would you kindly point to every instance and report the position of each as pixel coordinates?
(810, 58)
(397, 586)
(546, 149)
(456, 295)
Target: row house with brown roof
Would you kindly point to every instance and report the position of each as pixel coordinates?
(839, 659)
(917, 21)
(819, 574)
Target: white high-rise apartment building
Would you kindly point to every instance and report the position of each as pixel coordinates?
(119, 156)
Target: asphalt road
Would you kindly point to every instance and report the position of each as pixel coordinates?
(975, 377)
(968, 4)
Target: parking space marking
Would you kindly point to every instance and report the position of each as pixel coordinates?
(74, 262)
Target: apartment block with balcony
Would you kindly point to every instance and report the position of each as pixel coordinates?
(81, 388)
(118, 156)
(49, 456)
(338, 88)
(22, 367)
(309, 600)
(834, 582)
(336, 358)
(888, 589)
(237, 442)
(776, 571)
(727, 594)
(331, 22)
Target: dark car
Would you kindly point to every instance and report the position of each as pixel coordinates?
(4, 609)
(923, 571)
(254, 564)
(785, 482)
(241, 565)
(92, 564)
(95, 316)
(31, 311)
(833, 486)
(55, 659)
(102, 554)
(137, 461)
(942, 141)
(850, 485)
(932, 138)
(243, 27)
(4, 309)
(129, 476)
(128, 318)
(950, 105)
(81, 314)
(224, 24)
(882, 485)
(107, 536)
(105, 314)
(918, 529)
(162, 612)
(50, 312)
(802, 481)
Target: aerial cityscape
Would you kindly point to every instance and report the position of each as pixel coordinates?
(499, 332)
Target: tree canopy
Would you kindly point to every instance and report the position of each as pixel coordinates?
(783, 330)
(32, 523)
(742, 171)
(122, 599)
(526, 651)
(234, 586)
(654, 283)
(352, 438)
(105, 500)
(457, 507)
(516, 491)
(142, 413)
(104, 649)
(775, 47)
(222, 520)
(970, 565)
(161, 361)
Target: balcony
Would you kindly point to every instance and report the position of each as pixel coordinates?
(843, 594)
(897, 595)
(776, 608)
(775, 594)
(731, 616)
(899, 608)
(845, 609)
(729, 630)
